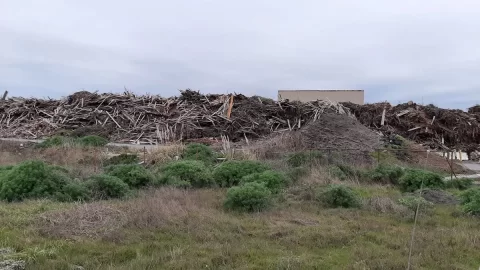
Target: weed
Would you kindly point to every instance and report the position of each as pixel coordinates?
(460, 184)
(122, 159)
(306, 158)
(54, 141)
(31, 179)
(414, 179)
(386, 174)
(106, 186)
(92, 140)
(274, 181)
(201, 152)
(249, 197)
(471, 201)
(295, 174)
(230, 173)
(134, 175)
(411, 202)
(186, 173)
(73, 191)
(340, 196)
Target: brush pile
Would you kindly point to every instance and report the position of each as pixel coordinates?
(429, 125)
(152, 119)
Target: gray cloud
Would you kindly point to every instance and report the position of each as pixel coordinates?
(395, 51)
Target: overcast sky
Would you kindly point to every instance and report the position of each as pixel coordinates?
(395, 50)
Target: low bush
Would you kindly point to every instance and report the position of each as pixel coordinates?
(274, 181)
(460, 184)
(200, 152)
(106, 186)
(471, 201)
(306, 158)
(4, 170)
(122, 159)
(31, 179)
(186, 173)
(73, 191)
(249, 197)
(92, 140)
(386, 174)
(340, 196)
(415, 179)
(230, 173)
(54, 141)
(412, 202)
(133, 174)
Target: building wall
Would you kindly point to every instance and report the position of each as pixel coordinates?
(354, 96)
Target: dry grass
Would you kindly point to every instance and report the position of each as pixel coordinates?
(384, 205)
(319, 175)
(164, 153)
(82, 162)
(276, 146)
(165, 206)
(153, 209)
(83, 220)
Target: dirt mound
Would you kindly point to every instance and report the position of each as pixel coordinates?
(340, 133)
(419, 156)
(439, 197)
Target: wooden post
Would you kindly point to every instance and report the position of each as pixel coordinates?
(5, 95)
(230, 107)
(383, 115)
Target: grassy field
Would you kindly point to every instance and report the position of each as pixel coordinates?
(176, 229)
(171, 228)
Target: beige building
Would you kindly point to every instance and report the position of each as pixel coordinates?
(354, 96)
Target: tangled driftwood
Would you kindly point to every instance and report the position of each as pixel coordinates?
(425, 124)
(153, 119)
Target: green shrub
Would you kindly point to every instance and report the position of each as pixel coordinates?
(133, 174)
(200, 152)
(122, 159)
(73, 191)
(460, 184)
(412, 202)
(471, 201)
(92, 140)
(54, 141)
(186, 171)
(106, 186)
(274, 181)
(386, 174)
(230, 173)
(31, 179)
(306, 158)
(340, 196)
(415, 179)
(249, 197)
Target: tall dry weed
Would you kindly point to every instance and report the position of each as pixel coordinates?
(164, 153)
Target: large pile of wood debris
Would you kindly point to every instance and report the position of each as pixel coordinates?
(429, 125)
(152, 119)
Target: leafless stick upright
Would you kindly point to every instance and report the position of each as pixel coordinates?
(412, 239)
